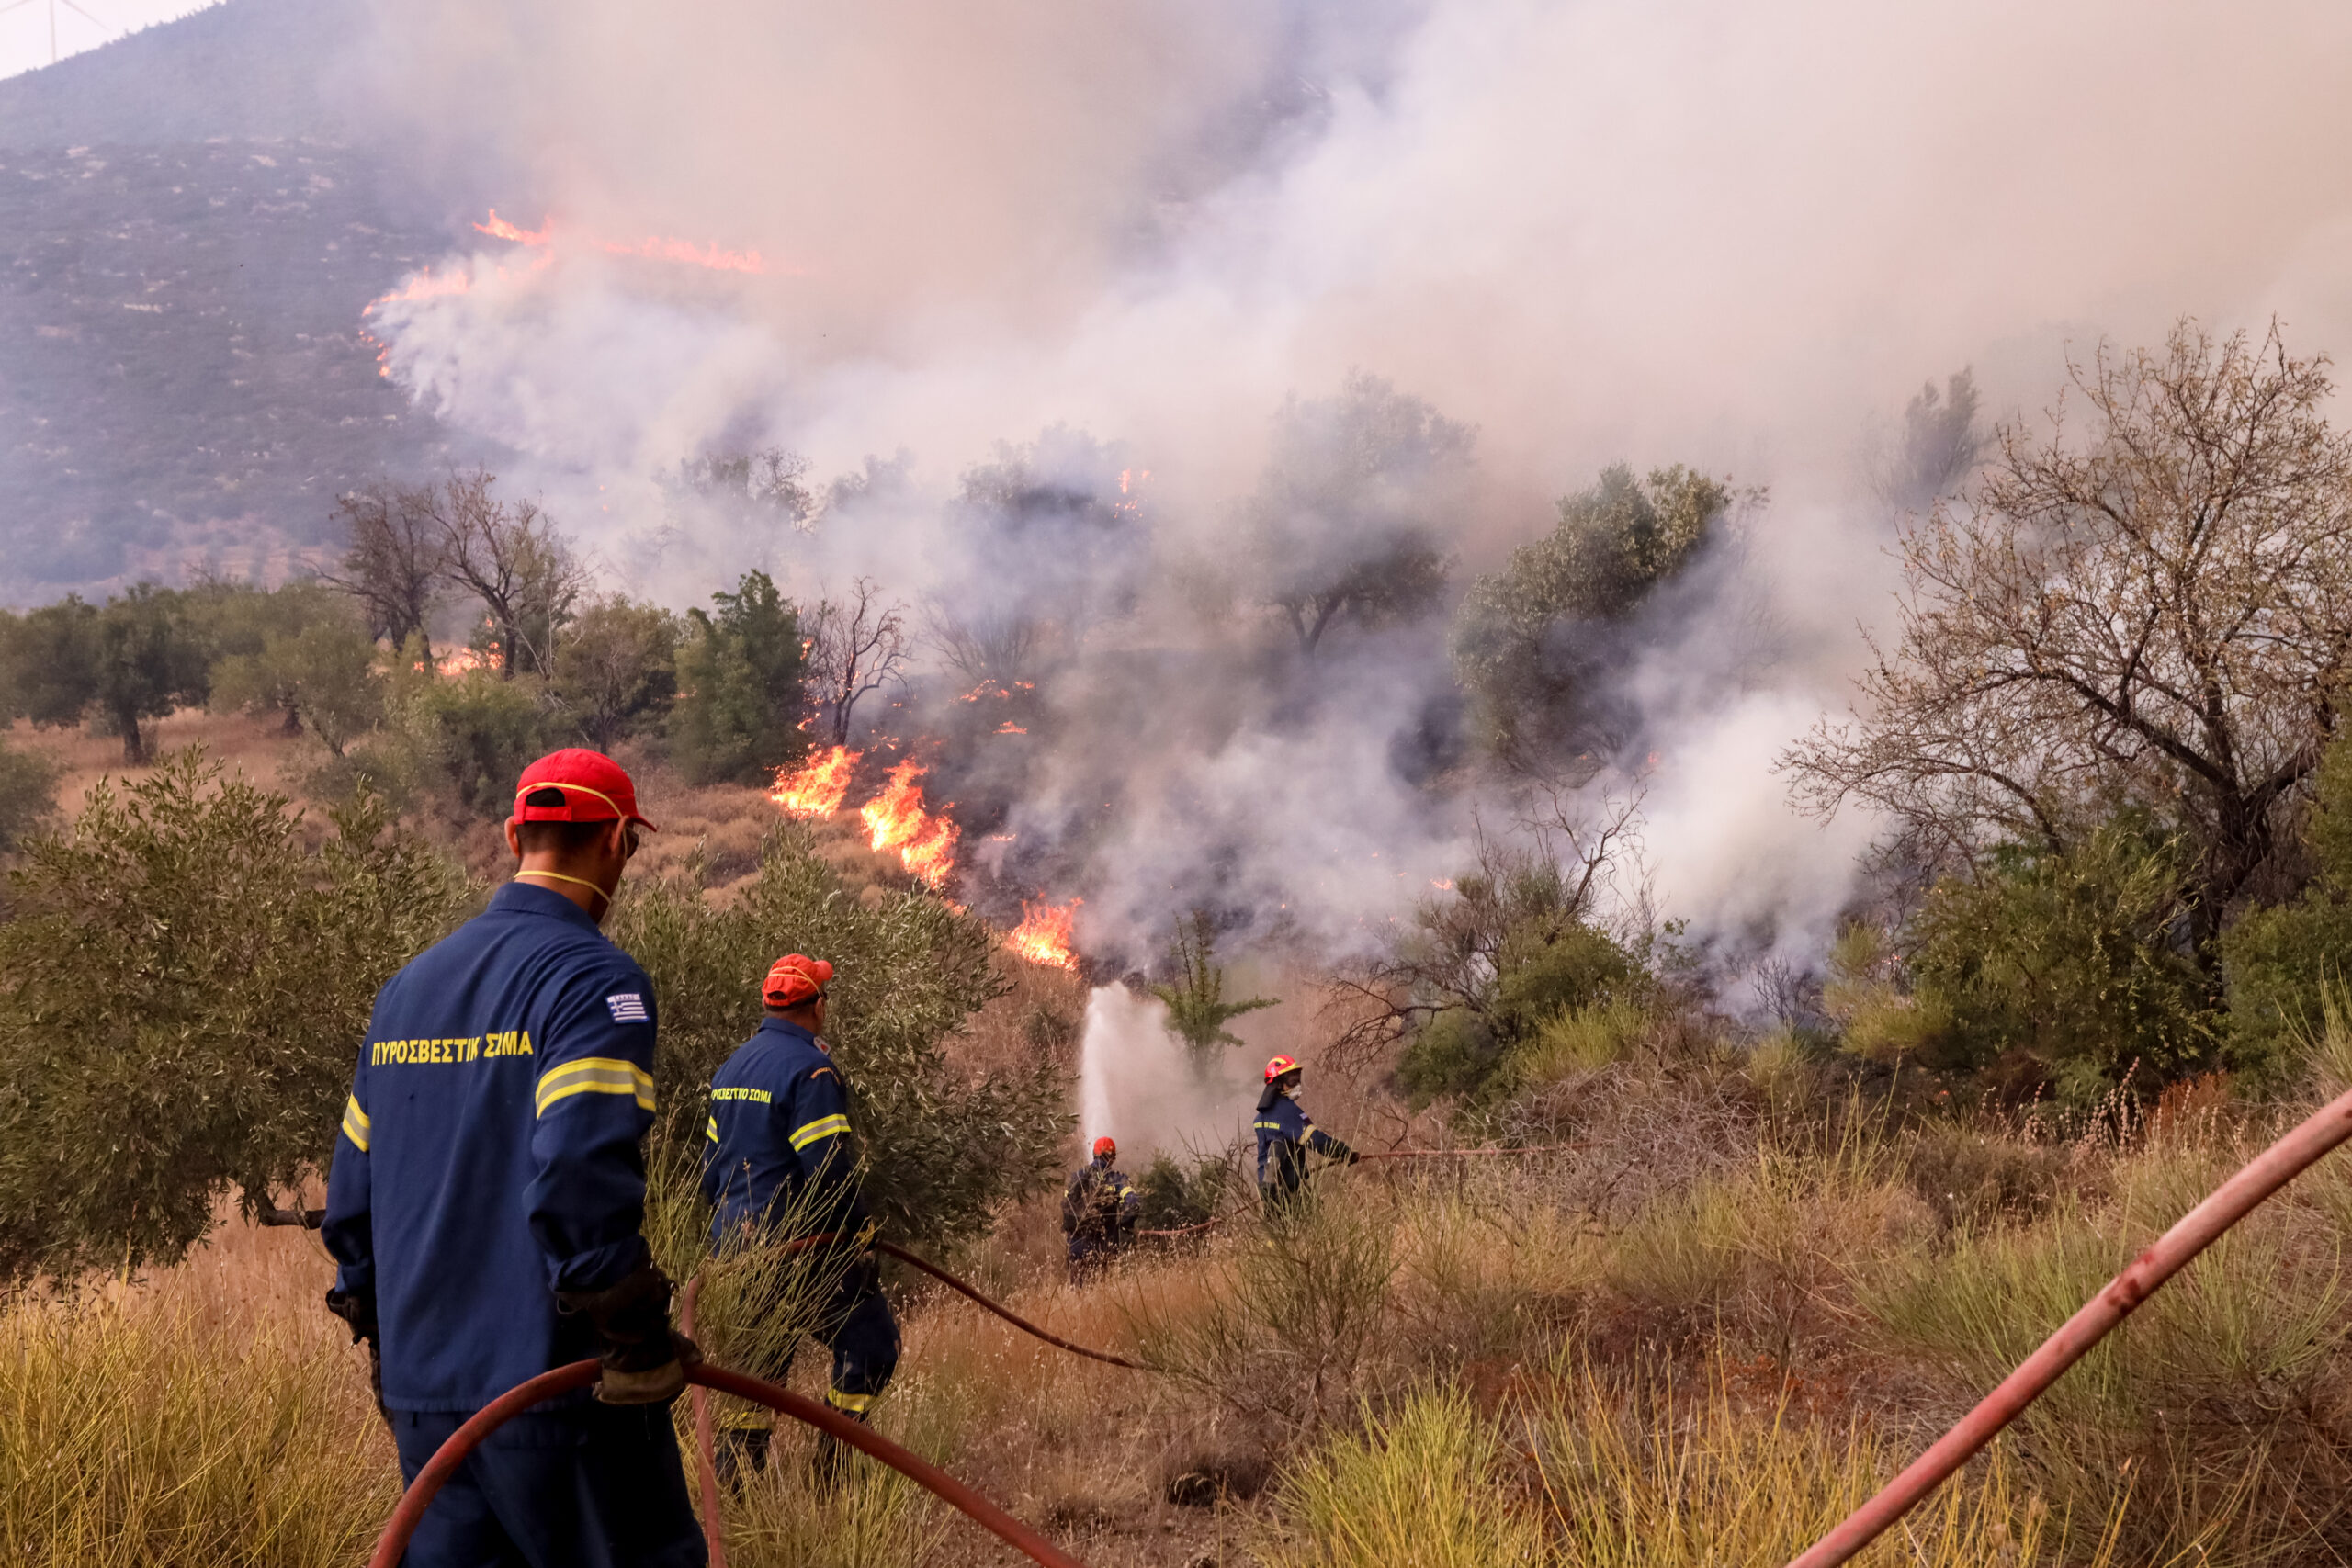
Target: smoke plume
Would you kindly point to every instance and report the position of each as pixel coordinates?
(1118, 237)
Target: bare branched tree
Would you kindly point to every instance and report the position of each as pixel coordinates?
(1557, 874)
(2156, 616)
(511, 557)
(854, 648)
(394, 565)
(1004, 647)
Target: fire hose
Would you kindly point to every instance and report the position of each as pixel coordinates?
(2230, 1202)
(706, 1459)
(703, 1377)
(580, 1374)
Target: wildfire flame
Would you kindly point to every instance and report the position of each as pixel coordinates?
(817, 789)
(499, 228)
(654, 247)
(1042, 935)
(430, 285)
(897, 822)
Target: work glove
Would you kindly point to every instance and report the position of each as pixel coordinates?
(358, 1310)
(658, 1385)
(1349, 1158)
(644, 1362)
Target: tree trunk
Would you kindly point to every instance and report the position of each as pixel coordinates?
(293, 725)
(134, 748)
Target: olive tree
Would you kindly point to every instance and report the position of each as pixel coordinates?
(1347, 520)
(2153, 610)
(187, 980)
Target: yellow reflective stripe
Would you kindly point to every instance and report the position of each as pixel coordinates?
(814, 1132)
(855, 1403)
(356, 1126)
(713, 1129)
(595, 1075)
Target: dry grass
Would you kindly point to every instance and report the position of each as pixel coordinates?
(211, 1415)
(1697, 1338)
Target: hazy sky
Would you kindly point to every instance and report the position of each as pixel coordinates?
(25, 30)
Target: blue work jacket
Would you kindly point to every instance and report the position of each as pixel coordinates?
(776, 1149)
(1285, 1131)
(491, 1152)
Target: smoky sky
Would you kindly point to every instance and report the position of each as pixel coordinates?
(1733, 236)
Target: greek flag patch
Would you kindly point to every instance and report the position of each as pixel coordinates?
(628, 1006)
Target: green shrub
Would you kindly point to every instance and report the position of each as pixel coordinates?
(2279, 961)
(27, 795)
(1576, 1039)
(1451, 1057)
(2061, 971)
(451, 744)
(1170, 1196)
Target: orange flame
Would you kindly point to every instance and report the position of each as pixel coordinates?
(1009, 727)
(896, 820)
(499, 228)
(816, 790)
(661, 248)
(1042, 935)
(463, 661)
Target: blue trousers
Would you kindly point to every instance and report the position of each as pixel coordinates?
(585, 1486)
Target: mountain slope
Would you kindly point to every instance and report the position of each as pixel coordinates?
(248, 70)
(184, 254)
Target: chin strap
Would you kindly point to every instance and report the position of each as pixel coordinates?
(576, 881)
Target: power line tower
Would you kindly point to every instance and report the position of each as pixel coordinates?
(69, 4)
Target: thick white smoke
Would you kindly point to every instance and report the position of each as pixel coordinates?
(1723, 234)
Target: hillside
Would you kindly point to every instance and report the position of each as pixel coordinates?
(246, 71)
(182, 376)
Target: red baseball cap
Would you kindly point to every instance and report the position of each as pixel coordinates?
(795, 978)
(594, 788)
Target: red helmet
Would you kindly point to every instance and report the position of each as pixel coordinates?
(1106, 1149)
(794, 979)
(1279, 1066)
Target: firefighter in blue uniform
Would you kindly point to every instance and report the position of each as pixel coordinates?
(1285, 1134)
(779, 1164)
(1099, 1209)
(486, 1200)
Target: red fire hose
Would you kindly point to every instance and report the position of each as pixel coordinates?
(1464, 1153)
(2230, 1202)
(706, 1476)
(580, 1374)
(953, 1284)
(961, 1289)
